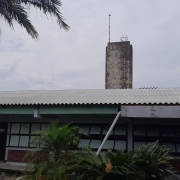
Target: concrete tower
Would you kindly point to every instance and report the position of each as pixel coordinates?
(119, 65)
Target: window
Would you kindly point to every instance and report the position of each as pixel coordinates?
(25, 128)
(35, 128)
(7, 141)
(95, 144)
(168, 132)
(31, 137)
(45, 127)
(95, 130)
(109, 144)
(105, 130)
(8, 131)
(14, 140)
(84, 143)
(15, 127)
(84, 130)
(24, 141)
(166, 135)
(140, 131)
(152, 131)
(120, 131)
(171, 146)
(138, 144)
(19, 134)
(120, 145)
(96, 133)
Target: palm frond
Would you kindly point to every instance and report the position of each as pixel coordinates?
(51, 7)
(11, 10)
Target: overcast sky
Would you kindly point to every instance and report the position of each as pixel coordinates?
(76, 59)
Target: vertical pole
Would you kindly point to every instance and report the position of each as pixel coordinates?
(109, 31)
(108, 133)
(109, 27)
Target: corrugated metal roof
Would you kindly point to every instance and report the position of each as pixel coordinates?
(96, 96)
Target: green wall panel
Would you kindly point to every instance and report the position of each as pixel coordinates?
(79, 110)
(17, 110)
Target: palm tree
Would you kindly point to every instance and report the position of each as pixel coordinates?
(16, 11)
(53, 150)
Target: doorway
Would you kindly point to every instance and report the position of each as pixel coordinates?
(3, 134)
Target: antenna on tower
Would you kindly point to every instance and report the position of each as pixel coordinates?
(109, 26)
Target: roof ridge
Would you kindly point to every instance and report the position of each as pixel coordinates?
(144, 88)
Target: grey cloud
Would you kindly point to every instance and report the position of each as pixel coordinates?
(8, 70)
(76, 59)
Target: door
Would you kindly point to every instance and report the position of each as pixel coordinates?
(3, 127)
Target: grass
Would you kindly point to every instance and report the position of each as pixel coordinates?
(11, 174)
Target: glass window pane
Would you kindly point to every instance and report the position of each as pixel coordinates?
(95, 143)
(84, 130)
(105, 130)
(153, 131)
(138, 144)
(178, 132)
(24, 140)
(25, 128)
(171, 146)
(45, 127)
(120, 145)
(31, 137)
(14, 141)
(168, 132)
(95, 130)
(120, 131)
(35, 128)
(140, 131)
(109, 144)
(15, 128)
(7, 141)
(178, 148)
(84, 143)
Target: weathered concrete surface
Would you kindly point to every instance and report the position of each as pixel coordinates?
(119, 65)
(14, 166)
(175, 177)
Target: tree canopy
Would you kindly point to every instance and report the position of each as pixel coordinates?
(16, 11)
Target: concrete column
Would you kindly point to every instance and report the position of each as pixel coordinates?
(130, 137)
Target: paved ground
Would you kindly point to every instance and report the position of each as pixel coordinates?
(14, 166)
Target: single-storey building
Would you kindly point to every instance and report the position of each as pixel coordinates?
(146, 115)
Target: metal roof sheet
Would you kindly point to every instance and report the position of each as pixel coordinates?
(94, 96)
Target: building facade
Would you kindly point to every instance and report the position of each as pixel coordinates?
(119, 65)
(147, 115)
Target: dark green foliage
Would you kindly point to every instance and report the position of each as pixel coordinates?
(53, 151)
(154, 160)
(87, 165)
(150, 161)
(107, 165)
(54, 159)
(16, 11)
